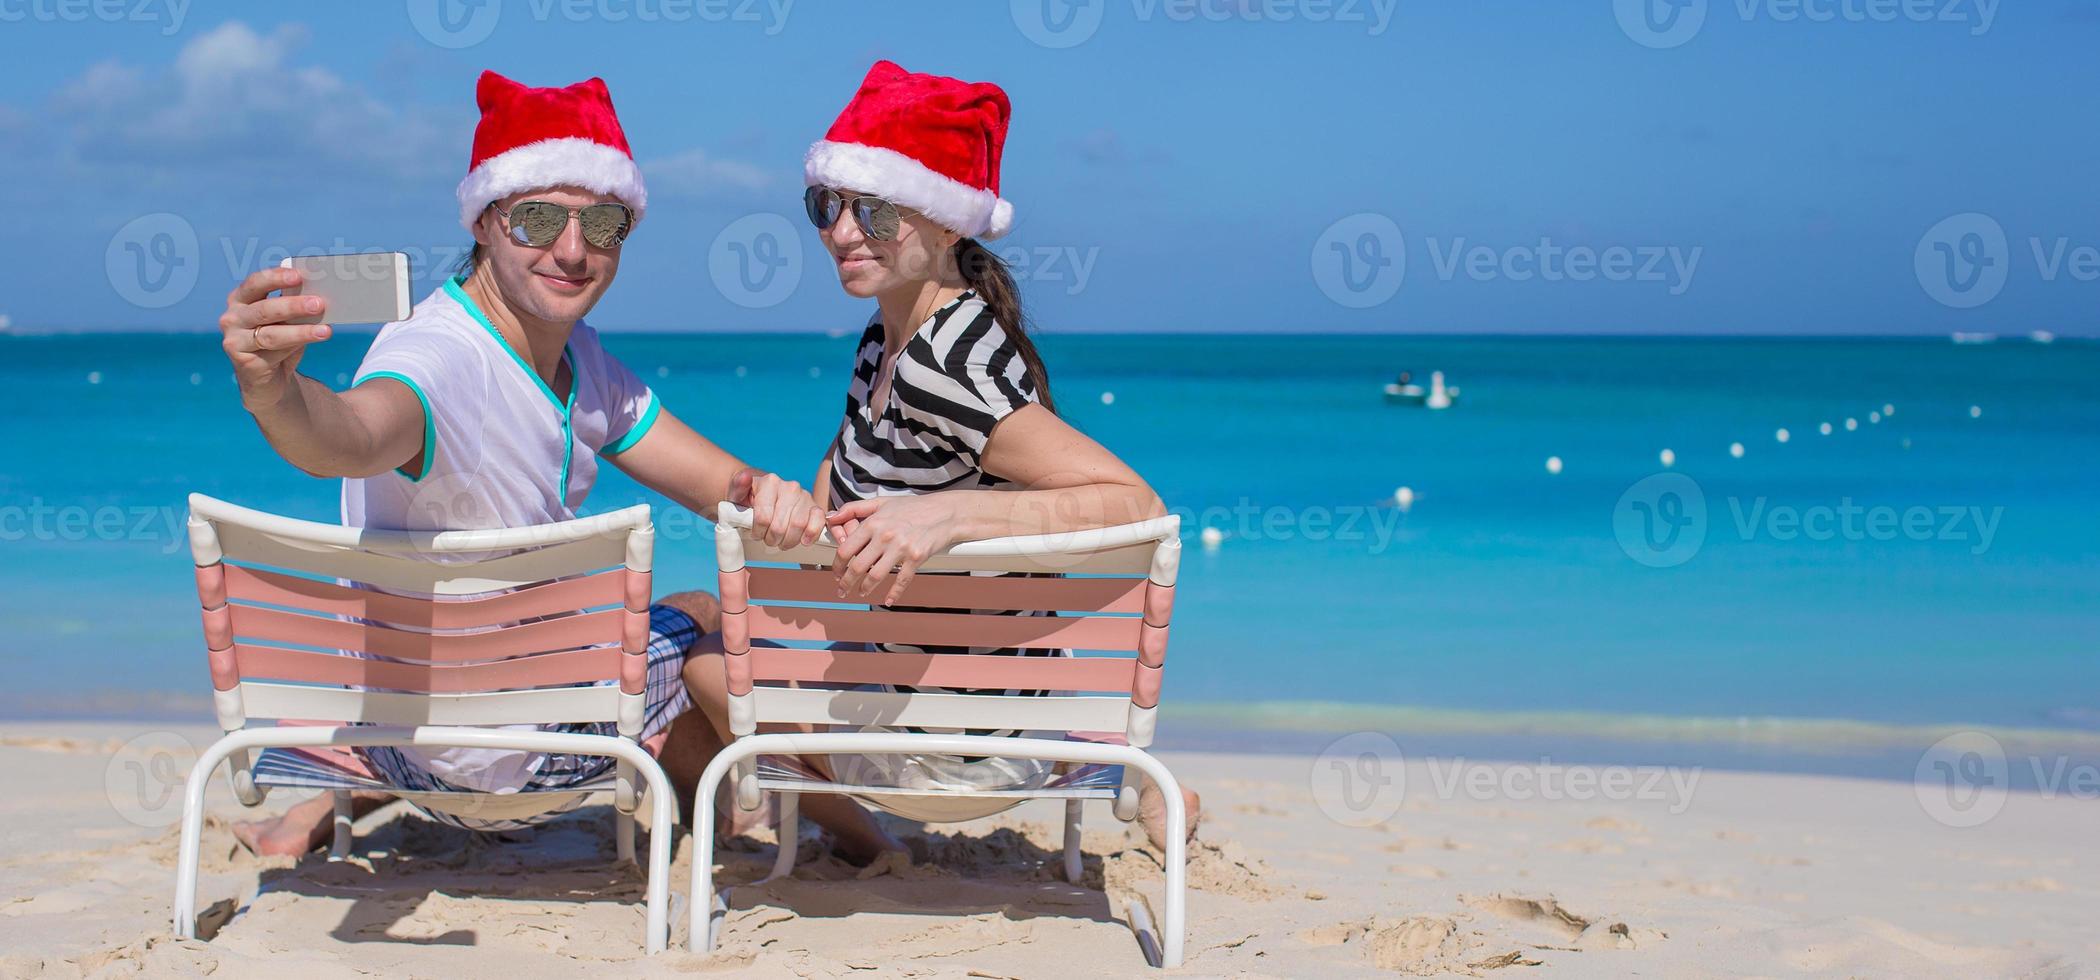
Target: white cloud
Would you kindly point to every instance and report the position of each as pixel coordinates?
(237, 102)
(697, 174)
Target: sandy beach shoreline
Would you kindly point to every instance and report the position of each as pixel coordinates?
(1466, 868)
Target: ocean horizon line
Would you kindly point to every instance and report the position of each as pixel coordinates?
(2018, 338)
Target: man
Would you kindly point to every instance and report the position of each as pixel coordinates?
(493, 404)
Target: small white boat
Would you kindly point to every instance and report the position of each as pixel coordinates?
(1435, 396)
(2038, 336)
(1975, 338)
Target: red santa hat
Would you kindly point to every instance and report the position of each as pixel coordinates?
(534, 138)
(926, 142)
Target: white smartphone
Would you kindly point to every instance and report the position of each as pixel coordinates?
(362, 287)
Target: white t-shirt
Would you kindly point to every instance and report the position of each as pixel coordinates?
(499, 450)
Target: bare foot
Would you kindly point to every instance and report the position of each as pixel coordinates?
(1152, 813)
(309, 825)
(290, 834)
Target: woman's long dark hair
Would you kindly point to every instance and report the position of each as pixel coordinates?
(994, 284)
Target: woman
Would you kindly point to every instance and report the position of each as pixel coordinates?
(950, 432)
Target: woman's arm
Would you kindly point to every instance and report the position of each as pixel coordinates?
(1072, 482)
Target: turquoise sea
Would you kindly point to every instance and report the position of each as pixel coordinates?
(1817, 613)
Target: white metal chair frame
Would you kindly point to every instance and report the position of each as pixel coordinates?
(220, 530)
(1034, 553)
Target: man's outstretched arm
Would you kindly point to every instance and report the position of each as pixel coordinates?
(362, 432)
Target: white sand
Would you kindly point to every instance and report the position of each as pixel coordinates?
(1755, 875)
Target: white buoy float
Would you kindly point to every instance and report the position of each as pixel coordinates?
(663, 371)
(1824, 428)
(1404, 498)
(1782, 435)
(341, 379)
(742, 370)
(1212, 537)
(1851, 425)
(1976, 411)
(196, 378)
(1439, 396)
(1873, 418)
(816, 372)
(94, 377)
(1108, 398)
(1887, 409)
(1735, 449)
(1668, 458)
(1553, 464)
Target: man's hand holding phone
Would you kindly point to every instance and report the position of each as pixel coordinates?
(259, 339)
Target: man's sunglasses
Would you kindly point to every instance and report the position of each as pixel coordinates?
(878, 219)
(539, 223)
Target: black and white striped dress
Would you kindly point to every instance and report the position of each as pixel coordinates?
(958, 376)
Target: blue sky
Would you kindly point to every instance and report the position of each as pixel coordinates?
(1752, 166)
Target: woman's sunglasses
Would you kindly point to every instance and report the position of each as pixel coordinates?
(877, 218)
(539, 223)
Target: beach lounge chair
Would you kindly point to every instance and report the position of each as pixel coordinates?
(794, 655)
(325, 625)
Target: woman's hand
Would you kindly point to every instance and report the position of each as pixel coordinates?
(782, 513)
(881, 533)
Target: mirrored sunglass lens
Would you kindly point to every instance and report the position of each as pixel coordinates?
(877, 217)
(823, 207)
(538, 222)
(604, 225)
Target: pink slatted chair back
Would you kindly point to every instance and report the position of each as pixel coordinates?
(1107, 595)
(321, 622)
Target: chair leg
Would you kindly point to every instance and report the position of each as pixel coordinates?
(1072, 856)
(192, 834)
(623, 836)
(1176, 927)
(340, 849)
(700, 933)
(790, 836)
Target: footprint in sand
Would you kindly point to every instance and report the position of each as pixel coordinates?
(1586, 933)
(1423, 945)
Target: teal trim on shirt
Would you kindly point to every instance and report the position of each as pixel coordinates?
(430, 437)
(568, 431)
(641, 428)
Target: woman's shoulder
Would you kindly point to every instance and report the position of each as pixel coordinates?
(965, 332)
